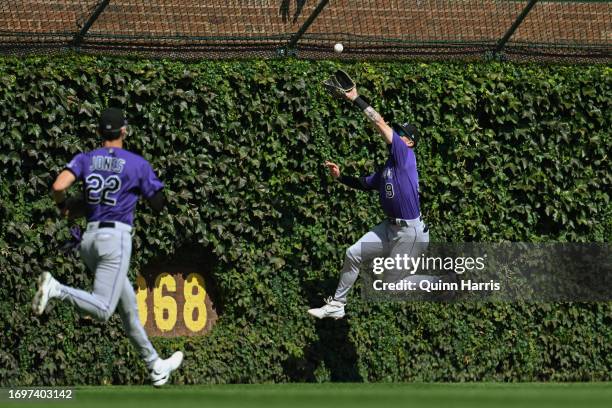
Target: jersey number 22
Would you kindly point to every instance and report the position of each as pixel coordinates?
(98, 189)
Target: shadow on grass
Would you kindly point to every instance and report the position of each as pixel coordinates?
(332, 357)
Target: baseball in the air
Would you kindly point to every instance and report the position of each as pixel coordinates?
(338, 47)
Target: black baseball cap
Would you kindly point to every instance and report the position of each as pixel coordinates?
(111, 122)
(408, 130)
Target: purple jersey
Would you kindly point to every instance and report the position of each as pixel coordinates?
(398, 182)
(113, 180)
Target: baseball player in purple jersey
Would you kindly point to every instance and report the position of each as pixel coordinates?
(403, 231)
(113, 179)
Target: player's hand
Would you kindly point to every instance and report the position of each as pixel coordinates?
(351, 95)
(334, 169)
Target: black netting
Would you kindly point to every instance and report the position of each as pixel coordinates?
(392, 29)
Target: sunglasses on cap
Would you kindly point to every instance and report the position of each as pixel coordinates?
(407, 130)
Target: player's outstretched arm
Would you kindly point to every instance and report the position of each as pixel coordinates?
(352, 182)
(58, 190)
(377, 120)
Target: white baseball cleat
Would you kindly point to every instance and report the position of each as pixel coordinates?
(332, 308)
(48, 288)
(160, 372)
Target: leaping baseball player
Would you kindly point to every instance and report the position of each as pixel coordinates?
(398, 186)
(113, 179)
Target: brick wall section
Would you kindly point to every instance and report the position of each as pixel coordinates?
(382, 23)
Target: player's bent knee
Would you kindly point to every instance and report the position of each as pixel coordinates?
(353, 253)
(103, 315)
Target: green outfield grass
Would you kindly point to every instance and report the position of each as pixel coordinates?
(472, 395)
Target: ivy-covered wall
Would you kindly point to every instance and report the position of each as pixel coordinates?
(509, 152)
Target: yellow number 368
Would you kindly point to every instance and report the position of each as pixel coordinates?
(165, 306)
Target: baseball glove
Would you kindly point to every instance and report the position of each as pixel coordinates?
(75, 207)
(339, 84)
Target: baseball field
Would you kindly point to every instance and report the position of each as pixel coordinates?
(292, 204)
(458, 395)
